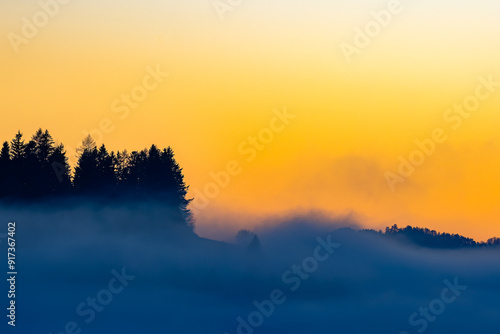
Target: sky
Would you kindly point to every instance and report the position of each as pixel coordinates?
(341, 98)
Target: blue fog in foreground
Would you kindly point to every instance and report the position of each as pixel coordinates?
(127, 269)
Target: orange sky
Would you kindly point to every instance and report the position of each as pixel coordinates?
(354, 117)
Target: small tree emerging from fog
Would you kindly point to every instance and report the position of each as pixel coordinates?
(249, 240)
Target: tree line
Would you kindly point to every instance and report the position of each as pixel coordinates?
(38, 168)
(432, 239)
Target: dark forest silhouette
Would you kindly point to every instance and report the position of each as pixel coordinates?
(430, 238)
(39, 168)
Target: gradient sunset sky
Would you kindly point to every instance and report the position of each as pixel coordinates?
(353, 120)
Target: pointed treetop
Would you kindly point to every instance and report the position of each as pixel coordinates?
(5, 153)
(88, 144)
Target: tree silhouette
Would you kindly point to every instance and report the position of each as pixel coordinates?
(35, 169)
(18, 161)
(121, 165)
(494, 242)
(95, 169)
(174, 180)
(61, 180)
(106, 170)
(44, 146)
(32, 173)
(18, 148)
(40, 168)
(5, 152)
(5, 170)
(429, 238)
(86, 171)
(249, 240)
(88, 143)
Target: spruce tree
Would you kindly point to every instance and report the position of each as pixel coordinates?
(106, 171)
(5, 170)
(5, 153)
(86, 171)
(174, 182)
(61, 171)
(44, 146)
(18, 147)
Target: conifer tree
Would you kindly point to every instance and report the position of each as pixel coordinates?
(86, 171)
(5, 170)
(105, 167)
(44, 146)
(61, 171)
(18, 147)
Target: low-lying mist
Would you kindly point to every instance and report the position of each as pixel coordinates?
(128, 268)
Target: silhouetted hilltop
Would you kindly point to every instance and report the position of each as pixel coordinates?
(431, 239)
(38, 169)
